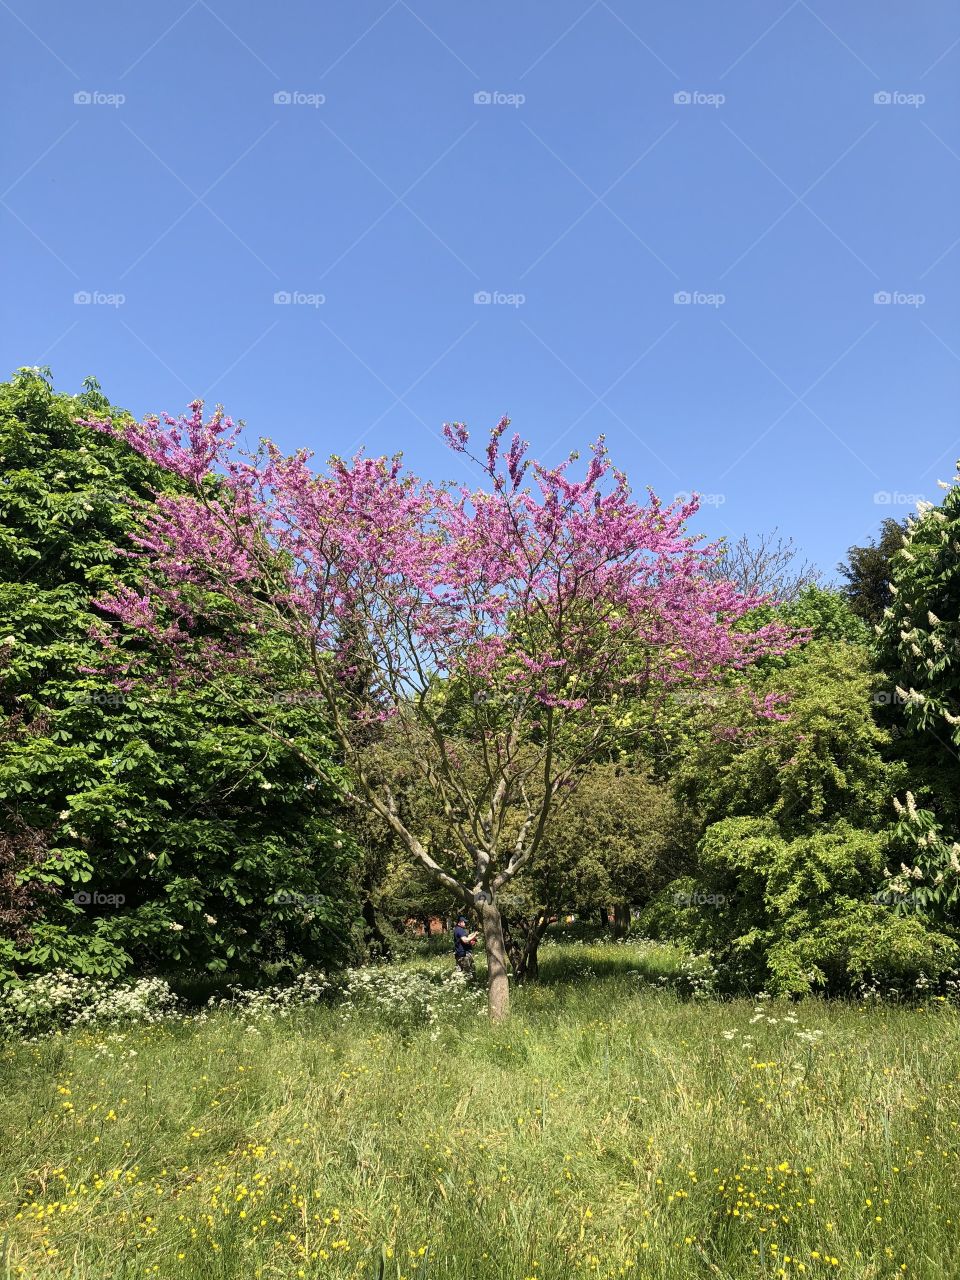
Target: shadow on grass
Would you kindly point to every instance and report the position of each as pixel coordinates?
(571, 956)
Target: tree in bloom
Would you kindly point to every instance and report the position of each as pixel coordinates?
(546, 603)
(919, 646)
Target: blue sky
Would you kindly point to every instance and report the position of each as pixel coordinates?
(619, 155)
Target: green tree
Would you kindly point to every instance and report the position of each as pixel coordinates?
(796, 820)
(868, 568)
(613, 842)
(176, 831)
(919, 650)
(823, 759)
(797, 914)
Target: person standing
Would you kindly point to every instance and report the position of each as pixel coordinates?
(463, 944)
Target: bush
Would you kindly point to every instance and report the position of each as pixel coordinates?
(405, 999)
(149, 826)
(792, 916)
(669, 915)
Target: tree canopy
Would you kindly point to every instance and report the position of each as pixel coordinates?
(545, 598)
(160, 826)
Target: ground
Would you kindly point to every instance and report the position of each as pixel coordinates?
(612, 1128)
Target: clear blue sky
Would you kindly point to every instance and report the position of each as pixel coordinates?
(583, 186)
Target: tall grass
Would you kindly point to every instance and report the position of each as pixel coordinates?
(610, 1129)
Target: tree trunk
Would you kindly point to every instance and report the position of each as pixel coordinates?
(498, 987)
(530, 960)
(621, 920)
(522, 938)
(374, 936)
(605, 916)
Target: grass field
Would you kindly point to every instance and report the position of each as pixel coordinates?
(610, 1129)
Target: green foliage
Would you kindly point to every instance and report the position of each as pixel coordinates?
(796, 816)
(793, 915)
(825, 760)
(817, 611)
(932, 883)
(670, 913)
(868, 572)
(669, 730)
(173, 810)
(614, 840)
(919, 649)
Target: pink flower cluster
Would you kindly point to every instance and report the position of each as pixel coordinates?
(567, 593)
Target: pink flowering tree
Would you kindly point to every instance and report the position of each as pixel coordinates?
(547, 603)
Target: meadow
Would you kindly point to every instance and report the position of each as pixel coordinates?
(613, 1127)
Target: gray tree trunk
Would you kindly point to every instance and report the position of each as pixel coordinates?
(498, 986)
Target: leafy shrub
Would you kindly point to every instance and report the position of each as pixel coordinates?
(918, 648)
(794, 915)
(669, 915)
